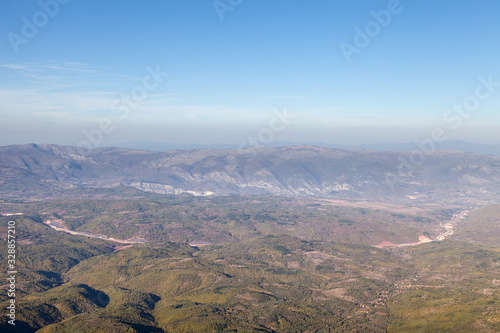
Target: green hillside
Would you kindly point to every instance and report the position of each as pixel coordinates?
(271, 283)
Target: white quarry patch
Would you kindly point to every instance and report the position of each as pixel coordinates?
(342, 187)
(167, 189)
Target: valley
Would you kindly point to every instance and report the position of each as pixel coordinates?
(100, 254)
(59, 225)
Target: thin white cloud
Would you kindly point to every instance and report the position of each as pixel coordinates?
(12, 66)
(76, 107)
(53, 75)
(31, 103)
(53, 65)
(283, 97)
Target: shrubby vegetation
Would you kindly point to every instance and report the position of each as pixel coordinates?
(262, 279)
(455, 290)
(230, 219)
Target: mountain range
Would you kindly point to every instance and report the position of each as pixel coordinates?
(435, 176)
(459, 145)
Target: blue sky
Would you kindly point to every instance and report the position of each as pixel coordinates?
(232, 65)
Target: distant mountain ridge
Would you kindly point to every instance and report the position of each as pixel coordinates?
(438, 176)
(458, 145)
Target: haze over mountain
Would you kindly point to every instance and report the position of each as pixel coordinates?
(436, 176)
(459, 145)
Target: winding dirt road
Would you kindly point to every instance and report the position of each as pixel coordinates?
(449, 230)
(58, 225)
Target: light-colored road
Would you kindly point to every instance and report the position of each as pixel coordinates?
(59, 226)
(448, 226)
